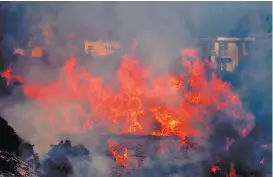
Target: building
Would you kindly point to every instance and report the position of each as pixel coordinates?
(226, 53)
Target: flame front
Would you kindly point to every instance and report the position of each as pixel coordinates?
(142, 104)
(139, 102)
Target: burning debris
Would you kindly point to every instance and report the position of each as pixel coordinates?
(140, 154)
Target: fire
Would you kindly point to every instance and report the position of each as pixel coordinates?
(232, 172)
(165, 105)
(7, 74)
(122, 158)
(214, 169)
(140, 101)
(37, 52)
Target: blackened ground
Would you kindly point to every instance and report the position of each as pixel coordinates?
(9, 140)
(13, 146)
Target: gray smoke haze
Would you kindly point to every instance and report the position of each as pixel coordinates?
(162, 29)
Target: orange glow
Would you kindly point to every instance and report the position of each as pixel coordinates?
(37, 52)
(167, 99)
(232, 172)
(122, 159)
(139, 103)
(214, 169)
(7, 74)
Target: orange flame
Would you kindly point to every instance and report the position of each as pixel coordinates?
(214, 169)
(37, 52)
(122, 159)
(7, 74)
(232, 172)
(141, 100)
(142, 104)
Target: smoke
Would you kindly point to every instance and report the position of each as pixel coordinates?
(100, 167)
(162, 29)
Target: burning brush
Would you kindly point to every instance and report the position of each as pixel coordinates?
(135, 152)
(153, 116)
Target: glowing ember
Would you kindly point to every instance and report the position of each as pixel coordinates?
(7, 74)
(214, 169)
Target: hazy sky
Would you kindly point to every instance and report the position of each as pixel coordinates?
(214, 17)
(175, 23)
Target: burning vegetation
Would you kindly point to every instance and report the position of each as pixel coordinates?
(178, 105)
(184, 124)
(140, 104)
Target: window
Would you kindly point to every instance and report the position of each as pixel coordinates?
(221, 66)
(223, 49)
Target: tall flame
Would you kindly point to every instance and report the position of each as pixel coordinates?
(142, 104)
(165, 105)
